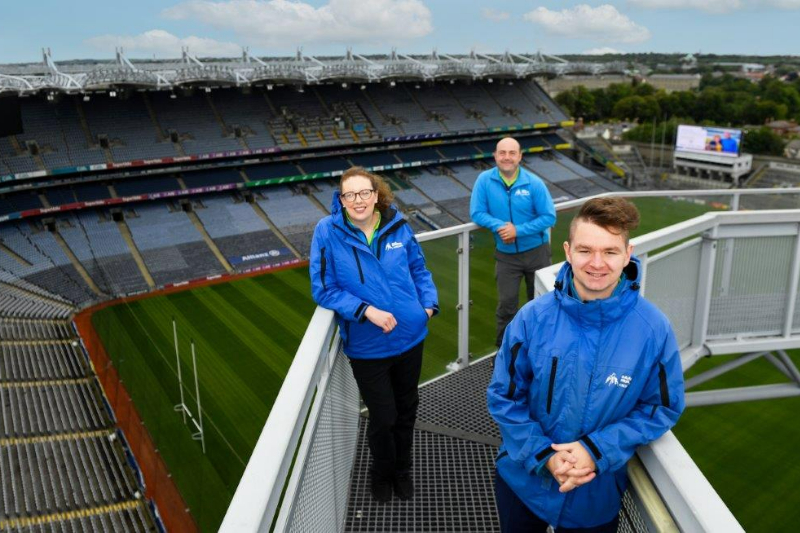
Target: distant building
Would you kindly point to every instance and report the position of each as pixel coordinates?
(674, 82)
(792, 149)
(784, 128)
(688, 62)
(565, 83)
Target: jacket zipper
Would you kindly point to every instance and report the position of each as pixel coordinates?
(662, 377)
(358, 263)
(553, 369)
(323, 263)
(511, 217)
(512, 370)
(385, 234)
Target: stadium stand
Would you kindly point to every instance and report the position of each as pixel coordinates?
(170, 245)
(438, 102)
(127, 126)
(62, 467)
(292, 213)
(101, 249)
(243, 238)
(478, 103)
(144, 126)
(248, 113)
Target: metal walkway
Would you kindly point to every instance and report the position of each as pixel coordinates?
(455, 444)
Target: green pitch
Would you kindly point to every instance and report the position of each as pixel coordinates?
(246, 334)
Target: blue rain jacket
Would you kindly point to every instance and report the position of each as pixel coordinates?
(347, 277)
(606, 373)
(526, 204)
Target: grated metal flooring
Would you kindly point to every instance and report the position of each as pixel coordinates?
(455, 444)
(456, 404)
(453, 489)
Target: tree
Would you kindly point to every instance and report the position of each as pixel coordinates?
(579, 101)
(763, 141)
(637, 107)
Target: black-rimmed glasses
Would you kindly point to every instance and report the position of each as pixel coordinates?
(349, 197)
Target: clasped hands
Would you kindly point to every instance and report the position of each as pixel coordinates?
(385, 320)
(508, 233)
(571, 465)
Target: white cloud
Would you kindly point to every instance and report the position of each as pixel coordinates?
(493, 14)
(164, 44)
(724, 6)
(602, 23)
(289, 23)
(782, 4)
(710, 6)
(602, 51)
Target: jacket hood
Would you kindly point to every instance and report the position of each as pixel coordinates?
(336, 204)
(608, 309)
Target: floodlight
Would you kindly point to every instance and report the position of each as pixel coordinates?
(391, 84)
(490, 80)
(173, 96)
(86, 98)
(269, 86)
(363, 87)
(208, 89)
(112, 93)
(344, 85)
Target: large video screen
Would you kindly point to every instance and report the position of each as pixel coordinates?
(709, 140)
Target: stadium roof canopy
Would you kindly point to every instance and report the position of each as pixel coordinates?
(85, 75)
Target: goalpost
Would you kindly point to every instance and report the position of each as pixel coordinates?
(182, 407)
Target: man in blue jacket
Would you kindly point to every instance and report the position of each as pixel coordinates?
(517, 208)
(585, 375)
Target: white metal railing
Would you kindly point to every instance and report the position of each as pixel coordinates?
(255, 506)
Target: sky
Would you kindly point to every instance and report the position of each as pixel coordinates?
(90, 29)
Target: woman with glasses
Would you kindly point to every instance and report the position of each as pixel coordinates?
(367, 266)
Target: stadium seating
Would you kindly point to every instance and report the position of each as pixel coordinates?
(99, 246)
(172, 248)
(294, 214)
(243, 238)
(62, 467)
(139, 126)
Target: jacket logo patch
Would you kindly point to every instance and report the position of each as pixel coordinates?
(393, 245)
(522, 192)
(622, 382)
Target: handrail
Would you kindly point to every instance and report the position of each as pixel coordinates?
(257, 495)
(562, 206)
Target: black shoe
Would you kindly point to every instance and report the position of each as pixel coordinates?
(403, 485)
(381, 489)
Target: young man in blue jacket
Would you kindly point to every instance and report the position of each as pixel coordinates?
(517, 208)
(585, 375)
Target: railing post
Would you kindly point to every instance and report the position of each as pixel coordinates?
(463, 302)
(735, 201)
(793, 283)
(708, 252)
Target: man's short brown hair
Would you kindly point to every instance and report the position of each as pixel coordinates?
(617, 215)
